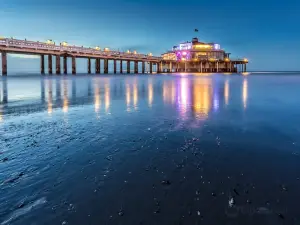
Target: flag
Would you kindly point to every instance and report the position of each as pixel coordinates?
(196, 30)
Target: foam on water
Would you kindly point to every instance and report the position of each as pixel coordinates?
(20, 212)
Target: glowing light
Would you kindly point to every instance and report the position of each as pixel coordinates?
(226, 92)
(183, 97)
(135, 96)
(97, 97)
(65, 101)
(128, 97)
(64, 43)
(203, 46)
(245, 93)
(201, 99)
(106, 49)
(183, 59)
(150, 54)
(128, 51)
(185, 46)
(217, 47)
(216, 102)
(184, 53)
(107, 97)
(134, 52)
(212, 59)
(150, 93)
(245, 60)
(1, 116)
(50, 42)
(97, 48)
(50, 98)
(226, 60)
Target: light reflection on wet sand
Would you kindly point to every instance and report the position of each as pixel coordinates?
(197, 96)
(141, 149)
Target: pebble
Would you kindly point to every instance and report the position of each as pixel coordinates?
(166, 182)
(5, 159)
(121, 213)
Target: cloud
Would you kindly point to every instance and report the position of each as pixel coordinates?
(24, 56)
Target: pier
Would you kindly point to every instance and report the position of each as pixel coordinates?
(192, 56)
(50, 50)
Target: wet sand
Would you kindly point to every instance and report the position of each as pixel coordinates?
(150, 149)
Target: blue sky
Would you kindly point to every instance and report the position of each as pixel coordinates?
(267, 32)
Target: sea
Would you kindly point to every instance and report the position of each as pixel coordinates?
(154, 149)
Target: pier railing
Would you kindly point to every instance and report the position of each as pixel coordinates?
(35, 45)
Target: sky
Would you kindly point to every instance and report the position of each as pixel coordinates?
(267, 32)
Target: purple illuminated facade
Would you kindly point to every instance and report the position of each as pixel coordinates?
(196, 56)
(196, 50)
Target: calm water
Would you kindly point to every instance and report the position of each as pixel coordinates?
(150, 149)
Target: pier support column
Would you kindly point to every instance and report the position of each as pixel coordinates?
(128, 66)
(73, 65)
(136, 70)
(170, 67)
(115, 66)
(143, 67)
(105, 66)
(97, 66)
(245, 69)
(58, 64)
(65, 65)
(201, 67)
(89, 66)
(185, 66)
(230, 67)
(158, 67)
(42, 64)
(217, 67)
(150, 67)
(121, 66)
(4, 63)
(50, 64)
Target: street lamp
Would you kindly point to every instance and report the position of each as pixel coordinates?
(50, 42)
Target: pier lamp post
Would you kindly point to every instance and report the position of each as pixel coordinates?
(245, 64)
(227, 67)
(50, 42)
